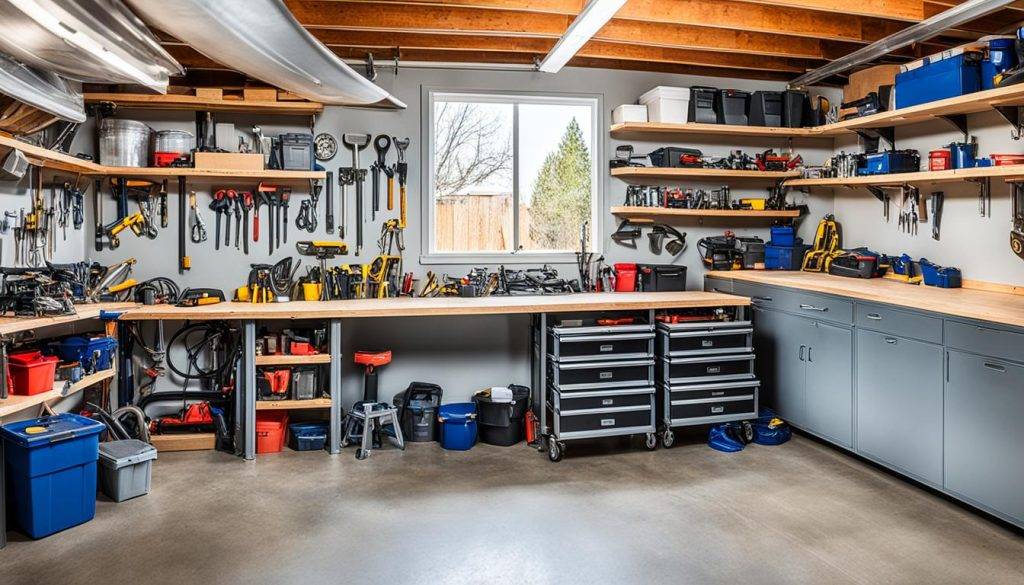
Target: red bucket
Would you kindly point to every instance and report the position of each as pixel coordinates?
(31, 372)
(271, 431)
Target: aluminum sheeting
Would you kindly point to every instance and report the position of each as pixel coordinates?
(41, 89)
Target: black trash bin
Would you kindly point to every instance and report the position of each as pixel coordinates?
(501, 423)
(417, 409)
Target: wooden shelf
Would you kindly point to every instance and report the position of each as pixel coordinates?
(292, 360)
(643, 173)
(293, 404)
(15, 404)
(160, 172)
(1009, 172)
(11, 325)
(193, 103)
(47, 158)
(664, 214)
(652, 131)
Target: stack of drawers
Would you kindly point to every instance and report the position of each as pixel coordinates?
(600, 380)
(705, 374)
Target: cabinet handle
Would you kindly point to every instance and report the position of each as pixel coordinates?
(809, 348)
(890, 340)
(765, 299)
(802, 348)
(995, 367)
(813, 308)
(874, 316)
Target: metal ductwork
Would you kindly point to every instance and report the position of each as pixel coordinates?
(41, 89)
(922, 31)
(262, 39)
(85, 40)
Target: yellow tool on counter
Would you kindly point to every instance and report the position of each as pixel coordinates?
(827, 242)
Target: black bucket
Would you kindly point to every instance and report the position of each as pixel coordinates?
(501, 423)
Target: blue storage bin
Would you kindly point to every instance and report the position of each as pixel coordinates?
(784, 257)
(94, 353)
(939, 79)
(940, 276)
(51, 469)
(1002, 55)
(783, 235)
(307, 436)
(458, 425)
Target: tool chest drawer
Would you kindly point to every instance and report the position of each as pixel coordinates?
(589, 400)
(707, 369)
(713, 391)
(705, 410)
(897, 322)
(601, 374)
(595, 422)
(820, 307)
(763, 296)
(718, 285)
(985, 340)
(600, 345)
(693, 339)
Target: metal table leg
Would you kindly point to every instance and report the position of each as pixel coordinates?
(249, 389)
(334, 386)
(3, 497)
(543, 368)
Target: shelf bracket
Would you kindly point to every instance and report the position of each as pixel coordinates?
(872, 136)
(984, 194)
(958, 120)
(1012, 115)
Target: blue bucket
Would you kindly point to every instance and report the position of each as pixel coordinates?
(458, 425)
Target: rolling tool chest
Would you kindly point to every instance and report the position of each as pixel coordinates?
(705, 372)
(598, 376)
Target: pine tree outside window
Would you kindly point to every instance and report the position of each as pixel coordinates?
(509, 177)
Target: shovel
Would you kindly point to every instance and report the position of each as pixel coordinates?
(356, 142)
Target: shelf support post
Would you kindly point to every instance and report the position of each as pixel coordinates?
(248, 396)
(334, 386)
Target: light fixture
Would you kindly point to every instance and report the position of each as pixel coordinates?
(587, 23)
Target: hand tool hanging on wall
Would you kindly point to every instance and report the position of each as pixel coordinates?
(329, 204)
(259, 199)
(285, 196)
(163, 204)
(97, 209)
(247, 203)
(184, 261)
(267, 195)
(229, 206)
(937, 199)
(357, 142)
(346, 177)
(238, 221)
(402, 169)
(1017, 232)
(305, 219)
(218, 205)
(381, 145)
(197, 225)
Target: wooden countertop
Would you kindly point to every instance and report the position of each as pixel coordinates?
(995, 307)
(9, 325)
(428, 307)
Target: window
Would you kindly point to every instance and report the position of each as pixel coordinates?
(510, 174)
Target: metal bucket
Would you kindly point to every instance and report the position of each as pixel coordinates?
(176, 141)
(124, 143)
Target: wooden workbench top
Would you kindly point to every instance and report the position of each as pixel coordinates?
(995, 307)
(9, 325)
(429, 307)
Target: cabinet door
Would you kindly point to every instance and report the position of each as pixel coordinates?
(983, 432)
(899, 403)
(780, 346)
(828, 397)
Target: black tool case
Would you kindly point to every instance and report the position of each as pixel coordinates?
(731, 105)
(766, 109)
(702, 105)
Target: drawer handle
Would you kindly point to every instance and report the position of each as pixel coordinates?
(802, 349)
(890, 340)
(765, 299)
(874, 316)
(809, 348)
(717, 409)
(995, 367)
(807, 307)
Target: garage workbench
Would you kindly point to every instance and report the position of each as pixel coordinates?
(336, 311)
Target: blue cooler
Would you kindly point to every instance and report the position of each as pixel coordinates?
(458, 425)
(94, 353)
(938, 79)
(51, 469)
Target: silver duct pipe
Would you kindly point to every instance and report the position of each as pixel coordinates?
(921, 31)
(473, 66)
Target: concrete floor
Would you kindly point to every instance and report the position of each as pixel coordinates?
(797, 513)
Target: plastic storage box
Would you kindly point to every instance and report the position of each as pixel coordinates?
(51, 471)
(670, 105)
(94, 353)
(31, 372)
(629, 113)
(938, 77)
(784, 257)
(126, 469)
(661, 277)
(940, 276)
(271, 427)
(307, 436)
(783, 235)
(458, 425)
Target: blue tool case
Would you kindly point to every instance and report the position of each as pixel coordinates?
(939, 77)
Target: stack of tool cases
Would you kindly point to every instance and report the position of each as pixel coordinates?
(705, 373)
(597, 376)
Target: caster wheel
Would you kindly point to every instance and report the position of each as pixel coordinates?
(555, 450)
(651, 441)
(668, 438)
(747, 432)
(360, 454)
(345, 442)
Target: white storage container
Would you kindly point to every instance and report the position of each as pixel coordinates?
(629, 113)
(669, 105)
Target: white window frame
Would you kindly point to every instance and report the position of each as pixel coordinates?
(429, 254)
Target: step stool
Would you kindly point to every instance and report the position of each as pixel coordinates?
(367, 422)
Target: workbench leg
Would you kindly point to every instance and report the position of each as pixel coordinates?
(3, 497)
(543, 372)
(249, 388)
(334, 387)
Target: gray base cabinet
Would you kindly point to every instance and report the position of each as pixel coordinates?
(899, 403)
(828, 401)
(984, 432)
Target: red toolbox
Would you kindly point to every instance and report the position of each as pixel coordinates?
(271, 430)
(940, 160)
(1007, 159)
(31, 372)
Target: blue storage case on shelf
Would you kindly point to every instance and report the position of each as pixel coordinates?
(94, 353)
(784, 257)
(51, 469)
(458, 425)
(307, 436)
(939, 78)
(940, 276)
(783, 235)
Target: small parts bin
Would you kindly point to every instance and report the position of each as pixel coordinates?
(625, 277)
(501, 422)
(31, 372)
(458, 425)
(126, 468)
(51, 471)
(270, 431)
(417, 410)
(307, 436)
(94, 353)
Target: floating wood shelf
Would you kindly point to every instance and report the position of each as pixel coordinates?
(169, 172)
(47, 158)
(11, 325)
(1008, 172)
(633, 174)
(665, 214)
(652, 131)
(194, 103)
(293, 404)
(14, 404)
(292, 360)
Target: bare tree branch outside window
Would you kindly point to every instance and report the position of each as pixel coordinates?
(470, 147)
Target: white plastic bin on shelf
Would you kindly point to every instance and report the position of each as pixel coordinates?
(126, 469)
(629, 113)
(669, 105)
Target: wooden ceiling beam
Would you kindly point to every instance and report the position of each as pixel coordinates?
(903, 10)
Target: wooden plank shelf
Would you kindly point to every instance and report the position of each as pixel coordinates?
(315, 403)
(293, 360)
(1009, 172)
(170, 172)
(654, 131)
(183, 442)
(15, 404)
(47, 158)
(195, 103)
(634, 174)
(666, 214)
(12, 325)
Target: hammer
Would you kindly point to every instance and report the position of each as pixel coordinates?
(356, 142)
